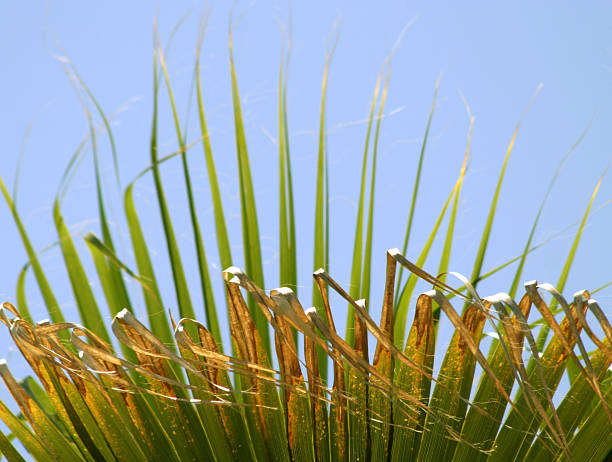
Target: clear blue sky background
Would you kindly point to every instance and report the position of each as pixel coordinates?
(495, 54)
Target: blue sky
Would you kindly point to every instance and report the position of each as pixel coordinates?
(495, 55)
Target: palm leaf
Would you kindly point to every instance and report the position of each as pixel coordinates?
(173, 394)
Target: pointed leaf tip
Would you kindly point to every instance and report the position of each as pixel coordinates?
(123, 314)
(230, 275)
(310, 311)
(430, 293)
(281, 291)
(393, 252)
